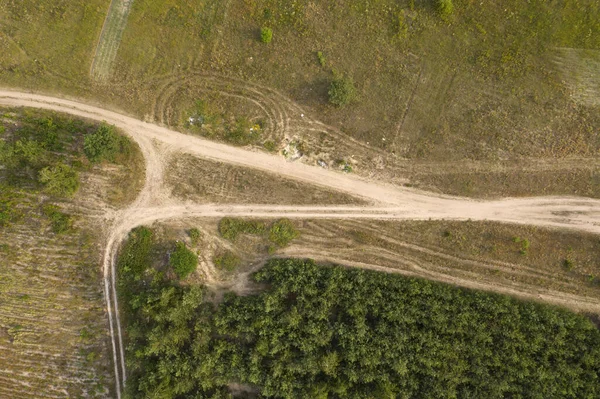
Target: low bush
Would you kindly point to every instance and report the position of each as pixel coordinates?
(445, 8)
(103, 144)
(227, 261)
(341, 91)
(282, 232)
(60, 180)
(183, 261)
(231, 228)
(266, 35)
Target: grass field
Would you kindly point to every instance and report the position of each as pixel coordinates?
(495, 82)
(49, 45)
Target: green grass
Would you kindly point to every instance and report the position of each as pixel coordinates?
(49, 44)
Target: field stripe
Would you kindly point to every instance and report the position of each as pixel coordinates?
(110, 39)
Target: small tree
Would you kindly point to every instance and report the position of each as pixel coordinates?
(445, 8)
(266, 35)
(61, 180)
(341, 91)
(183, 261)
(101, 145)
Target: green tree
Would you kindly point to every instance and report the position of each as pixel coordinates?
(102, 145)
(183, 261)
(341, 91)
(61, 180)
(266, 35)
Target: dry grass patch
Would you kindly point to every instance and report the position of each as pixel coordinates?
(204, 181)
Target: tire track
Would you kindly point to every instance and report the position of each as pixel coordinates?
(110, 39)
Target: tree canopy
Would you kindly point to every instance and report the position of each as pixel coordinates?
(320, 332)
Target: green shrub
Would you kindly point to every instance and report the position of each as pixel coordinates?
(231, 228)
(322, 59)
(282, 232)
(135, 255)
(183, 261)
(227, 261)
(59, 221)
(341, 91)
(194, 235)
(266, 35)
(445, 8)
(103, 144)
(61, 180)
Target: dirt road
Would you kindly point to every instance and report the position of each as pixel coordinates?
(388, 202)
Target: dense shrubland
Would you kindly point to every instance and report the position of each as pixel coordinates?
(321, 331)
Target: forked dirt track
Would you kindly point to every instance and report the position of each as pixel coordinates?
(388, 202)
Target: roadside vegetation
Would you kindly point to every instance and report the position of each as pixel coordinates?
(280, 232)
(321, 331)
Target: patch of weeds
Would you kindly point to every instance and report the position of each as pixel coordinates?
(282, 232)
(525, 244)
(231, 228)
(401, 25)
(194, 235)
(4, 248)
(321, 58)
(9, 213)
(270, 146)
(343, 165)
(569, 264)
(61, 180)
(59, 221)
(183, 261)
(227, 261)
(447, 234)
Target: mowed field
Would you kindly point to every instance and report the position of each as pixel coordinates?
(494, 83)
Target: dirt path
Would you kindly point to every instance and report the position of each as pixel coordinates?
(388, 202)
(110, 39)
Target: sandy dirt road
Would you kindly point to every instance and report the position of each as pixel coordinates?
(388, 202)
